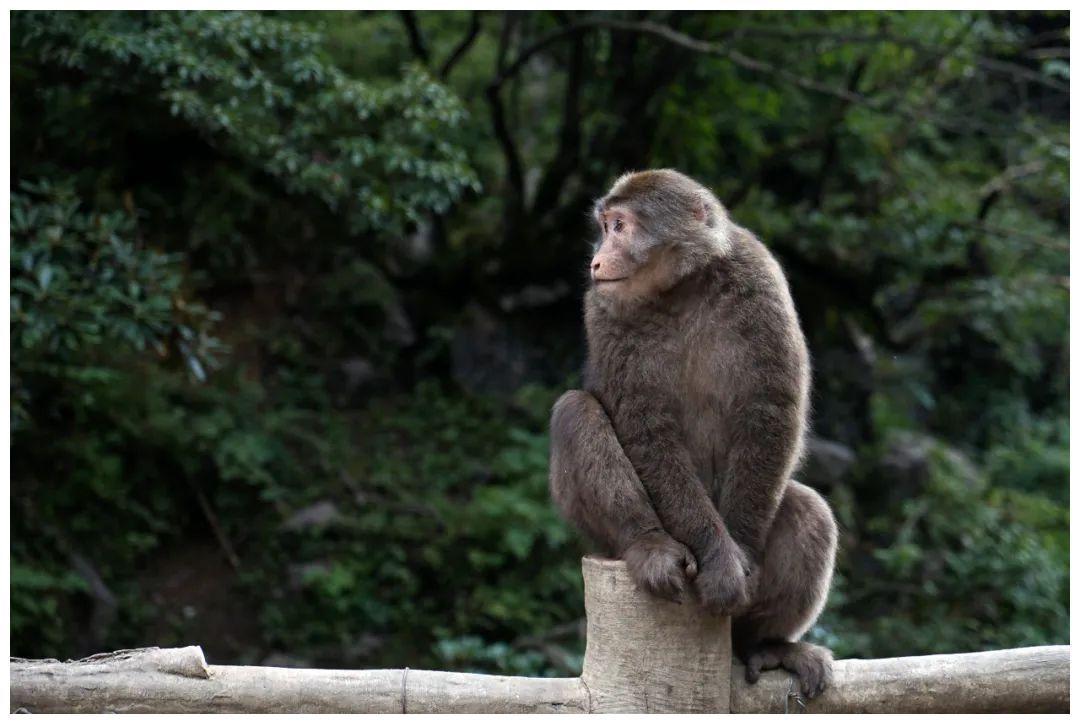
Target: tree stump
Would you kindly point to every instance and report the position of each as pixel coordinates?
(645, 654)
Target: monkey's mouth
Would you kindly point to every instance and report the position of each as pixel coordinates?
(610, 281)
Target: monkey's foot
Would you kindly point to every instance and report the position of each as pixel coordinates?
(812, 664)
(660, 565)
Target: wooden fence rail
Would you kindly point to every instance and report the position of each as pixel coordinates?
(642, 655)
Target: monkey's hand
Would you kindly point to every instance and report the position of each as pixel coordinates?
(660, 565)
(723, 585)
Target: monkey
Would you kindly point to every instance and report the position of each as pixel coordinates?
(677, 454)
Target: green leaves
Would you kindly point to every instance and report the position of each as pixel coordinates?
(36, 598)
(962, 566)
(262, 89)
(302, 174)
(84, 288)
(442, 488)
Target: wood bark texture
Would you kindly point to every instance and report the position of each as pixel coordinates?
(1015, 681)
(643, 655)
(180, 681)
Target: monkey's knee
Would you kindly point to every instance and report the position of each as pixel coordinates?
(797, 565)
(581, 433)
(811, 521)
(592, 482)
(571, 412)
(810, 533)
(569, 438)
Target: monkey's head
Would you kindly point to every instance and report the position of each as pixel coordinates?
(656, 227)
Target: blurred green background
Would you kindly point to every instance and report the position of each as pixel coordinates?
(292, 294)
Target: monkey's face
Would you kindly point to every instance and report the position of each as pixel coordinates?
(614, 261)
(627, 260)
(655, 228)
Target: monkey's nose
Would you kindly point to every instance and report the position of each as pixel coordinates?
(596, 265)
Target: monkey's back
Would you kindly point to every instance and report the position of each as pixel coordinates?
(749, 359)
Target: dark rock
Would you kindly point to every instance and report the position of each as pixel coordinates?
(486, 356)
(398, 330)
(358, 372)
(301, 573)
(496, 353)
(911, 457)
(827, 463)
(317, 515)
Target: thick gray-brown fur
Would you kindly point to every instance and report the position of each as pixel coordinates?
(678, 454)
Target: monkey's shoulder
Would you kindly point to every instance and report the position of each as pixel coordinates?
(747, 328)
(748, 270)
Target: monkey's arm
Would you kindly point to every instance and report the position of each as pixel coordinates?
(767, 402)
(653, 443)
(591, 480)
(596, 488)
(765, 438)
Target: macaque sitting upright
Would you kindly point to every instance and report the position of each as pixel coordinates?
(677, 456)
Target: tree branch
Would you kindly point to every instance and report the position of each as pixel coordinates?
(462, 47)
(832, 141)
(515, 206)
(992, 64)
(416, 38)
(569, 151)
(742, 60)
(679, 39)
(215, 526)
(1006, 232)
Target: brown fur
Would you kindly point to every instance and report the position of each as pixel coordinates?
(678, 454)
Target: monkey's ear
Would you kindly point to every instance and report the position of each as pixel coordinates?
(704, 211)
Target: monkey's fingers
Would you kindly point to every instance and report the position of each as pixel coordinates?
(690, 566)
(753, 670)
(675, 589)
(666, 582)
(813, 666)
(760, 661)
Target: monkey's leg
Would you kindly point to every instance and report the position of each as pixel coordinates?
(596, 488)
(794, 582)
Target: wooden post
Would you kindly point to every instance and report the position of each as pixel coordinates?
(644, 654)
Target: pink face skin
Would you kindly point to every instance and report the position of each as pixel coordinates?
(613, 263)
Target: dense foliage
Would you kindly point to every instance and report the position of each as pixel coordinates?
(292, 294)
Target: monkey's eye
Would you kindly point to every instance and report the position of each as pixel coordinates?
(618, 225)
(603, 224)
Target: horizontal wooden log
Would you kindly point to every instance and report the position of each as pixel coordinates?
(1031, 680)
(178, 681)
(642, 655)
(1018, 681)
